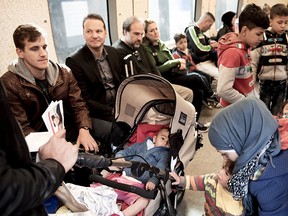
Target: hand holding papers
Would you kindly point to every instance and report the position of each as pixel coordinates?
(54, 120)
(53, 116)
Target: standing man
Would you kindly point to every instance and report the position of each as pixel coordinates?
(201, 47)
(33, 81)
(97, 70)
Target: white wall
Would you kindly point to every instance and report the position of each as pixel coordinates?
(14, 13)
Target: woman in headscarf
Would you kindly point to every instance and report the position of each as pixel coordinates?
(247, 133)
(228, 20)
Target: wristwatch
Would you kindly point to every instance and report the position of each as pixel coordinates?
(85, 127)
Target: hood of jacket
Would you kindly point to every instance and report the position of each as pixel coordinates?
(19, 67)
(230, 40)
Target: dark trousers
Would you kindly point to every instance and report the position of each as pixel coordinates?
(196, 83)
(272, 93)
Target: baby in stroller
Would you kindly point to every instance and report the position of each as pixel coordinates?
(154, 151)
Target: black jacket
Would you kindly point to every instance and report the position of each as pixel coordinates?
(24, 185)
(86, 72)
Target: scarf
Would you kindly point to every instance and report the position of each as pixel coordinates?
(249, 128)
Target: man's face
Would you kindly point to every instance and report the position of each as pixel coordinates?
(135, 36)
(94, 33)
(208, 23)
(279, 24)
(35, 54)
(254, 36)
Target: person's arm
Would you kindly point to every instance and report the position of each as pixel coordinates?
(130, 150)
(194, 41)
(162, 164)
(26, 187)
(15, 105)
(168, 65)
(255, 55)
(196, 183)
(227, 75)
(81, 115)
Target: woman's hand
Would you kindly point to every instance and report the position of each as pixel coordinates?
(175, 177)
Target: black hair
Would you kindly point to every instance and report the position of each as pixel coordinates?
(253, 16)
(94, 16)
(29, 32)
(179, 36)
(278, 10)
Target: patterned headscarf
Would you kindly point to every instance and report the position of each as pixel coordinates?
(246, 127)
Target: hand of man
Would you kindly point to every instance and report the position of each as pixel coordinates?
(87, 140)
(59, 149)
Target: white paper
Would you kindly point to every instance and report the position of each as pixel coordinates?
(53, 116)
(36, 139)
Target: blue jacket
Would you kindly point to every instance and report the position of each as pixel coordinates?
(155, 156)
(271, 188)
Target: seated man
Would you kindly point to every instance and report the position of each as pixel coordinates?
(201, 47)
(131, 44)
(33, 81)
(97, 70)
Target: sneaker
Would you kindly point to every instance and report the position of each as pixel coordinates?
(202, 128)
(214, 101)
(207, 104)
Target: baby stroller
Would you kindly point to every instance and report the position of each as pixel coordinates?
(147, 101)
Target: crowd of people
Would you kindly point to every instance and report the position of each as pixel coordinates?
(245, 65)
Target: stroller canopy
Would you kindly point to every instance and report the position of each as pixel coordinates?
(151, 98)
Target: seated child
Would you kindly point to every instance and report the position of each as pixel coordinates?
(205, 80)
(156, 152)
(219, 200)
(282, 119)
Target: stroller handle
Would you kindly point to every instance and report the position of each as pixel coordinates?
(99, 161)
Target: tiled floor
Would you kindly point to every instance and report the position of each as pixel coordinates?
(206, 160)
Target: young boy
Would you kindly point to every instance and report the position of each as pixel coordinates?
(269, 60)
(235, 80)
(219, 200)
(156, 152)
(203, 80)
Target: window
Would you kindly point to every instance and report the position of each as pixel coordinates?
(172, 16)
(222, 6)
(66, 21)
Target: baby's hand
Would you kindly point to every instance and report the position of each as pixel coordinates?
(175, 177)
(150, 186)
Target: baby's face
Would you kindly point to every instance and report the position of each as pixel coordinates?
(285, 109)
(223, 177)
(162, 138)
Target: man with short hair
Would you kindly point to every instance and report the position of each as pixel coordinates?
(201, 47)
(97, 70)
(33, 81)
